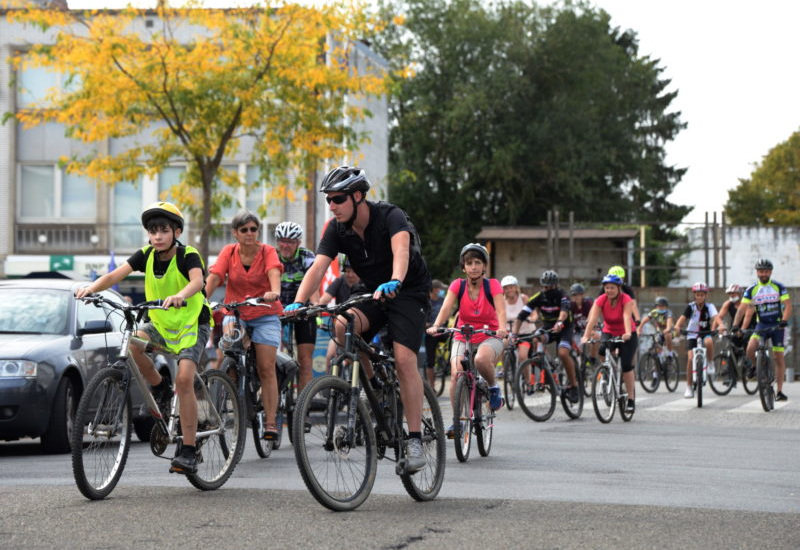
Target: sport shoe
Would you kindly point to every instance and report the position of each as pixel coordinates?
(572, 394)
(451, 432)
(495, 399)
(689, 393)
(780, 396)
(415, 458)
(185, 462)
(630, 406)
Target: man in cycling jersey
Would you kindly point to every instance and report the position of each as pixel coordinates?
(769, 301)
(384, 250)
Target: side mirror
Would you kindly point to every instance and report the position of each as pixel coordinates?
(95, 326)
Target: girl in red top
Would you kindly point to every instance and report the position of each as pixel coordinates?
(253, 270)
(479, 310)
(616, 308)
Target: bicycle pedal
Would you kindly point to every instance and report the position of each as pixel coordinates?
(400, 468)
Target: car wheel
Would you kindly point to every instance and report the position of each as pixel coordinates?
(62, 418)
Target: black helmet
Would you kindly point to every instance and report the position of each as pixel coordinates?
(763, 263)
(577, 288)
(549, 278)
(474, 247)
(345, 179)
(662, 301)
(165, 210)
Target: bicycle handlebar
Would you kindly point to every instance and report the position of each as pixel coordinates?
(466, 330)
(305, 312)
(248, 302)
(97, 299)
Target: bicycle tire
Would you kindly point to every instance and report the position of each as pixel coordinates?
(766, 392)
(218, 455)
(98, 459)
(670, 366)
(462, 420)
(484, 424)
(257, 424)
(324, 450)
(623, 404)
(699, 380)
(573, 410)
(537, 400)
(586, 371)
(750, 383)
(440, 375)
(426, 484)
(648, 372)
(724, 374)
(604, 394)
(509, 371)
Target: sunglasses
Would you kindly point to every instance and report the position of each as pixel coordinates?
(250, 229)
(338, 199)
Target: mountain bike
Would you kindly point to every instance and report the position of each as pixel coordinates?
(608, 388)
(540, 380)
(472, 414)
(586, 365)
(731, 363)
(101, 436)
(700, 363)
(654, 366)
(441, 365)
(509, 365)
(239, 362)
(349, 425)
(765, 372)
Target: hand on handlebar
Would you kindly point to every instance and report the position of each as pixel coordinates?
(82, 292)
(291, 308)
(271, 296)
(388, 289)
(173, 301)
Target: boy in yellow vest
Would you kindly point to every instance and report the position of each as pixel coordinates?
(175, 274)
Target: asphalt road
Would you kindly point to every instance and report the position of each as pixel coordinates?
(725, 476)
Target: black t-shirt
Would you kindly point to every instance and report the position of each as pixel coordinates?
(371, 257)
(550, 304)
(341, 291)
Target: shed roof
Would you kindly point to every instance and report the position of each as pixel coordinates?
(523, 233)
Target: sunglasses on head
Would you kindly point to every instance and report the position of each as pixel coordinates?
(250, 229)
(338, 199)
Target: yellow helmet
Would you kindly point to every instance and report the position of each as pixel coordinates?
(617, 270)
(164, 209)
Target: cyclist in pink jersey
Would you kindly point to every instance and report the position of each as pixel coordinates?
(480, 310)
(617, 309)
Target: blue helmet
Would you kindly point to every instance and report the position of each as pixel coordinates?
(612, 279)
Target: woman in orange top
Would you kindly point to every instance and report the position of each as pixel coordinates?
(253, 270)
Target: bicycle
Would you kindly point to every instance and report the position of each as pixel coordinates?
(765, 373)
(101, 436)
(608, 388)
(586, 366)
(654, 367)
(441, 366)
(509, 365)
(239, 358)
(726, 364)
(700, 363)
(540, 379)
(471, 412)
(348, 425)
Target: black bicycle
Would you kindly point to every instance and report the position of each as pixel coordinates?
(654, 366)
(765, 372)
(509, 361)
(731, 363)
(239, 362)
(348, 425)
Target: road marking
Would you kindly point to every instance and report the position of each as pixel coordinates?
(678, 405)
(755, 406)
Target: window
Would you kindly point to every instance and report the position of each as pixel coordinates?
(169, 176)
(37, 192)
(48, 194)
(255, 197)
(126, 211)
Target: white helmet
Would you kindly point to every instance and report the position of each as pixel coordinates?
(509, 280)
(289, 230)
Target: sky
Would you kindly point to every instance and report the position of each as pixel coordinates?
(735, 67)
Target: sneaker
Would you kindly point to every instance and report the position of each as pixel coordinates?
(689, 393)
(630, 406)
(185, 462)
(572, 394)
(495, 399)
(780, 396)
(415, 458)
(451, 432)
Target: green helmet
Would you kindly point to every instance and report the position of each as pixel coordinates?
(617, 270)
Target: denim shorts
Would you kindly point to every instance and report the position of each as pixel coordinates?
(193, 353)
(263, 330)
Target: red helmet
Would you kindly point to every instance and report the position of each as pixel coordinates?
(699, 287)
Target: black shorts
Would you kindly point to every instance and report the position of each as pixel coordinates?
(305, 332)
(405, 316)
(627, 350)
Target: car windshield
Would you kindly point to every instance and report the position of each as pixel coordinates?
(29, 310)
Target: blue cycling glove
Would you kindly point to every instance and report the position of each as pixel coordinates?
(293, 307)
(388, 288)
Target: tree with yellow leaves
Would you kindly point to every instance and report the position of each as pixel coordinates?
(196, 83)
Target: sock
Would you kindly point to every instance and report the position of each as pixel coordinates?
(417, 435)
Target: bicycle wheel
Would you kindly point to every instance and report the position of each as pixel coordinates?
(441, 369)
(484, 424)
(648, 372)
(724, 374)
(536, 390)
(604, 394)
(257, 424)
(462, 419)
(218, 454)
(699, 379)
(670, 372)
(573, 410)
(337, 466)
(101, 435)
(587, 372)
(509, 368)
(425, 484)
(749, 376)
(766, 378)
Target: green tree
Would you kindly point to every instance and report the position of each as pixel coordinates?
(513, 110)
(771, 196)
(196, 84)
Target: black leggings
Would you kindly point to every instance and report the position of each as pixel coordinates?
(627, 350)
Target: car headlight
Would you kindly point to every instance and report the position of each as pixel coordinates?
(10, 368)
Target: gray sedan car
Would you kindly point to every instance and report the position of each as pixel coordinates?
(50, 347)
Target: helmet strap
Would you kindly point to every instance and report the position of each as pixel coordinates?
(349, 223)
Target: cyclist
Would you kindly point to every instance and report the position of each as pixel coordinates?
(769, 301)
(619, 271)
(581, 306)
(384, 249)
(553, 308)
(436, 297)
(731, 307)
(700, 316)
(296, 262)
(480, 304)
(340, 291)
(616, 308)
(661, 319)
(173, 273)
(251, 269)
(515, 300)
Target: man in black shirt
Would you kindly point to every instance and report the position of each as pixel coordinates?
(384, 250)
